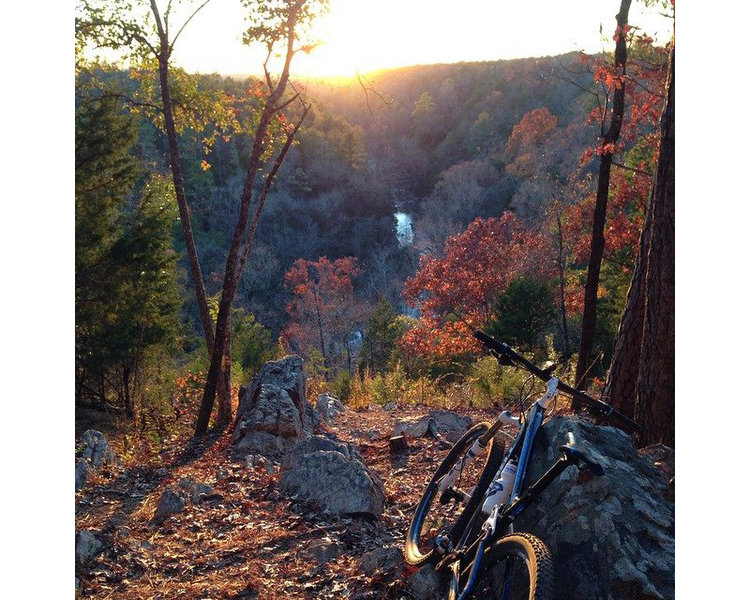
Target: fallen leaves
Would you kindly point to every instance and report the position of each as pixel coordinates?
(247, 541)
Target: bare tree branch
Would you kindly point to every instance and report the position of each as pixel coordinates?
(190, 18)
(369, 88)
(260, 202)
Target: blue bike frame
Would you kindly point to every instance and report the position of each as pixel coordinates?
(526, 437)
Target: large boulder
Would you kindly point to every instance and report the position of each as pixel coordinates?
(332, 476)
(272, 415)
(448, 423)
(92, 453)
(611, 536)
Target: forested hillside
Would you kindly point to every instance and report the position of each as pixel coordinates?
(410, 207)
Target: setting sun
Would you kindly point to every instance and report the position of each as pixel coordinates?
(357, 36)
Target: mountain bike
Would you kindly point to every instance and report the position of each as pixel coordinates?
(464, 521)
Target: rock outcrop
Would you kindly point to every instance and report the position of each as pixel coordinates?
(92, 453)
(450, 424)
(272, 415)
(611, 536)
(333, 477)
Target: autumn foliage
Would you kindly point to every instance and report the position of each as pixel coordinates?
(456, 293)
(322, 311)
(526, 140)
(644, 94)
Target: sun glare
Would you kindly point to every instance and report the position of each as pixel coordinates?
(358, 36)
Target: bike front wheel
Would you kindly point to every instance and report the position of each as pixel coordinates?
(436, 513)
(519, 568)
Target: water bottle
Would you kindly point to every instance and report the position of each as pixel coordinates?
(499, 492)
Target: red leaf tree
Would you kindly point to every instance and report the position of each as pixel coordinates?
(323, 311)
(456, 294)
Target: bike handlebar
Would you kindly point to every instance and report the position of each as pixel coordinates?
(602, 409)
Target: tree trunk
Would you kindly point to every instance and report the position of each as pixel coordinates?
(561, 270)
(229, 286)
(242, 239)
(224, 389)
(654, 407)
(179, 187)
(622, 379)
(127, 400)
(184, 208)
(588, 325)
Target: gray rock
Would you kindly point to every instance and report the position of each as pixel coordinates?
(317, 443)
(390, 406)
(385, 558)
(260, 461)
(172, 501)
(195, 490)
(312, 416)
(424, 584)
(450, 424)
(329, 407)
(272, 415)
(87, 546)
(323, 550)
(333, 477)
(612, 536)
(95, 449)
(92, 452)
(83, 472)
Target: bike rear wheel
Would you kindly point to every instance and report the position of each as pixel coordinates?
(432, 517)
(519, 568)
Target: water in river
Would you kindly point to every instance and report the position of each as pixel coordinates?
(404, 232)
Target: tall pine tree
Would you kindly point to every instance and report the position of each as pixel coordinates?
(126, 289)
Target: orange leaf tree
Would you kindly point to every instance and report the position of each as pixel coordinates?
(456, 294)
(323, 311)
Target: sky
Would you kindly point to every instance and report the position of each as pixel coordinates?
(362, 35)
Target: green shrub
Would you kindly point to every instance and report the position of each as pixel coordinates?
(523, 313)
(341, 385)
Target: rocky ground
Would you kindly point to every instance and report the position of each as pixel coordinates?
(301, 501)
(238, 536)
